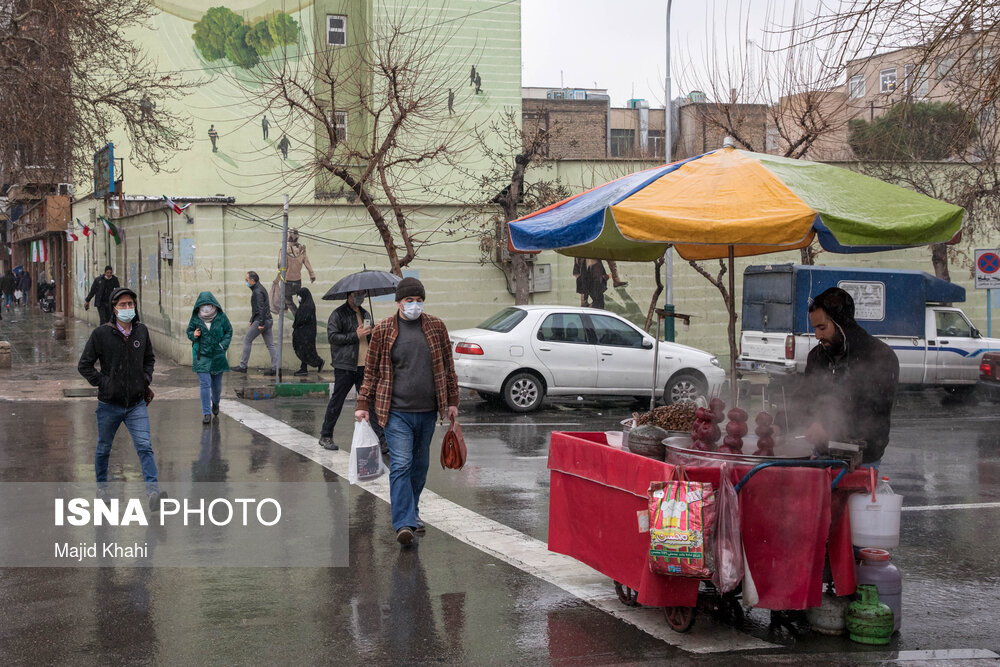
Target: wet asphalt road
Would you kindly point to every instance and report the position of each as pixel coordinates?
(445, 601)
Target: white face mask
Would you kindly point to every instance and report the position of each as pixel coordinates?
(412, 310)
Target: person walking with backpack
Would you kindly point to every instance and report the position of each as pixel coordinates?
(210, 333)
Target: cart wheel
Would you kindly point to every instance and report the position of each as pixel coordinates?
(680, 619)
(626, 595)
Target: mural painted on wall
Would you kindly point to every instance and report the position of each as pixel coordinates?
(222, 33)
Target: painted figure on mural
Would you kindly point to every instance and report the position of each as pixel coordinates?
(451, 102)
(479, 83)
(472, 76)
(214, 136)
(283, 146)
(264, 125)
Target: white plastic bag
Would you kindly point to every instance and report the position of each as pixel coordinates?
(366, 454)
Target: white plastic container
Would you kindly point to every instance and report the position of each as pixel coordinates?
(614, 438)
(876, 524)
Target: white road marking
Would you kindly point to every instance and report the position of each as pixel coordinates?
(963, 506)
(504, 543)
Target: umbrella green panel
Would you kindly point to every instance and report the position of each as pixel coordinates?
(862, 211)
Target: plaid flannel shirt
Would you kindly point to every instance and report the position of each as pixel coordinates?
(376, 392)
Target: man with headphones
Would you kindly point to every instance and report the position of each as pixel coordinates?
(851, 379)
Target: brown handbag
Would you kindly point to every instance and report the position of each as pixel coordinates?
(453, 450)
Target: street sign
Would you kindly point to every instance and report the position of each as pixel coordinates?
(987, 269)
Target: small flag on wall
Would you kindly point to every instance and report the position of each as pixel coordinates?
(39, 253)
(86, 229)
(108, 225)
(178, 209)
(70, 236)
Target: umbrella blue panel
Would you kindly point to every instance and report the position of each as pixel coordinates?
(581, 219)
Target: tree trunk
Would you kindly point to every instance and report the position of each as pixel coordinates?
(808, 255)
(657, 265)
(939, 258)
(519, 271)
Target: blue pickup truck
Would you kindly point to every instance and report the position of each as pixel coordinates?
(911, 311)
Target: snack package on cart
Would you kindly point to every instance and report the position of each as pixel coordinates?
(681, 521)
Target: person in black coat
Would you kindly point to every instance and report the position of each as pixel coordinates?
(304, 334)
(125, 353)
(100, 292)
(24, 284)
(850, 378)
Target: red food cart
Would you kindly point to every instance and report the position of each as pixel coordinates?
(790, 518)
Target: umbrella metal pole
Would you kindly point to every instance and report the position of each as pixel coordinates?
(282, 266)
(732, 326)
(656, 363)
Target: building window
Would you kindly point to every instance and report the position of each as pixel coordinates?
(857, 86)
(908, 78)
(622, 143)
(339, 120)
(336, 30)
(945, 67)
(887, 80)
(655, 146)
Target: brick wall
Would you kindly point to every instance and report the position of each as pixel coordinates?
(577, 128)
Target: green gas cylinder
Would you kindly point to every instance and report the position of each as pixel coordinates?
(868, 620)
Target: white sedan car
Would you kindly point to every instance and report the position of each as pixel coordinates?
(525, 352)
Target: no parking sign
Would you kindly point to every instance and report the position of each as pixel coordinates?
(987, 269)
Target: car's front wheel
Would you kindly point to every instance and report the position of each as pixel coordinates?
(684, 387)
(523, 392)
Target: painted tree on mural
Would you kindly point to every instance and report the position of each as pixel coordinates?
(72, 78)
(378, 113)
(222, 33)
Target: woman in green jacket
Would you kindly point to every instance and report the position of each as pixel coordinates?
(210, 333)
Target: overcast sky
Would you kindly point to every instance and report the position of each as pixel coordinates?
(620, 45)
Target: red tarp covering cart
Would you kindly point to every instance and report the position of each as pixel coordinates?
(790, 519)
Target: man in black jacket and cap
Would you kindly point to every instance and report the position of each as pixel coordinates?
(100, 292)
(125, 353)
(260, 324)
(851, 378)
(348, 330)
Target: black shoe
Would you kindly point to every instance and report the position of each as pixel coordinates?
(404, 536)
(301, 373)
(240, 369)
(269, 372)
(326, 442)
(155, 500)
(215, 408)
(319, 369)
(206, 419)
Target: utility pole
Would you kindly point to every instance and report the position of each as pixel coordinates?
(668, 264)
(282, 266)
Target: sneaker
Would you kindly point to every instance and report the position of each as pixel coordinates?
(206, 419)
(215, 408)
(240, 369)
(300, 373)
(404, 536)
(326, 442)
(155, 499)
(269, 372)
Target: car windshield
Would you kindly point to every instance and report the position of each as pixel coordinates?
(504, 321)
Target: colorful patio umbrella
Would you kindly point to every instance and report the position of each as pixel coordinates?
(755, 203)
(734, 203)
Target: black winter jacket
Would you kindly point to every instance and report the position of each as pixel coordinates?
(852, 396)
(342, 332)
(101, 290)
(260, 309)
(126, 364)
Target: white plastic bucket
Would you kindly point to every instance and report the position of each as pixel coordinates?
(875, 524)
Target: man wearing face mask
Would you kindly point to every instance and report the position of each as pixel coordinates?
(260, 324)
(125, 352)
(409, 381)
(349, 330)
(850, 377)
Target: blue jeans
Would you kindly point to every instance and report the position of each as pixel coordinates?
(211, 390)
(409, 436)
(136, 419)
(7, 298)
